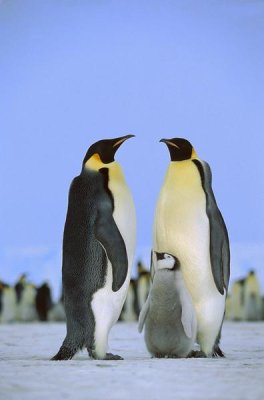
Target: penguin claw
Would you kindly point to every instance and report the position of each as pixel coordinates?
(218, 352)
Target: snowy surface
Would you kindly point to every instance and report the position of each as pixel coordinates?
(27, 373)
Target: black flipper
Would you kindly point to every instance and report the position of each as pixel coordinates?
(219, 242)
(107, 233)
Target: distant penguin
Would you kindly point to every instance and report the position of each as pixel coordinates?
(253, 303)
(19, 287)
(26, 308)
(168, 314)
(57, 312)
(130, 310)
(143, 284)
(2, 287)
(189, 225)
(43, 301)
(8, 303)
(98, 251)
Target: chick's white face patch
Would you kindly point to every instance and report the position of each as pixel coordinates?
(167, 262)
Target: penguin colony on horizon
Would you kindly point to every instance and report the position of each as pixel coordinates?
(25, 302)
(190, 257)
(244, 301)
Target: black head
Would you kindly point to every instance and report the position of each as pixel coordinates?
(106, 149)
(180, 149)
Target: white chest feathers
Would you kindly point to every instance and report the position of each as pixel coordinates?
(107, 304)
(182, 226)
(181, 210)
(124, 209)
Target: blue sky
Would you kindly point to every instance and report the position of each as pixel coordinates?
(73, 72)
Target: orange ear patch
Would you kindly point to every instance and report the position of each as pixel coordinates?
(94, 162)
(96, 157)
(194, 154)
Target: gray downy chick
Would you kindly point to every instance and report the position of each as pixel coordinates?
(168, 313)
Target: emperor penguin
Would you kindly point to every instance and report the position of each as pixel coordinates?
(189, 225)
(98, 250)
(130, 310)
(168, 314)
(7, 303)
(26, 308)
(43, 301)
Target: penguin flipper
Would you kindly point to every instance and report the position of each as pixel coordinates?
(153, 261)
(143, 315)
(188, 317)
(107, 233)
(219, 242)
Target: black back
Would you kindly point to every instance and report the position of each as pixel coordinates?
(90, 233)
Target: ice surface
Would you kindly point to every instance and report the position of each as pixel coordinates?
(26, 372)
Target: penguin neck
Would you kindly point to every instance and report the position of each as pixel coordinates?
(95, 164)
(183, 173)
(115, 172)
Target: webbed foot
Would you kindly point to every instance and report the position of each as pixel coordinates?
(110, 356)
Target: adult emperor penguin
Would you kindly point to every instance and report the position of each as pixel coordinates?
(189, 225)
(98, 250)
(168, 314)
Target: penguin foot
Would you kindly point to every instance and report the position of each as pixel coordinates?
(217, 352)
(110, 356)
(159, 355)
(196, 354)
(172, 356)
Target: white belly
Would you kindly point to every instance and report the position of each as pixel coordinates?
(107, 304)
(182, 228)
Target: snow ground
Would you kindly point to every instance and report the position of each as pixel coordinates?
(26, 372)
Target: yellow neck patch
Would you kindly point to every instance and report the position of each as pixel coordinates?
(94, 162)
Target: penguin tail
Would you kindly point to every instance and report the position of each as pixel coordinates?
(65, 353)
(217, 352)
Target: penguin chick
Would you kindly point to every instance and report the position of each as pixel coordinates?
(168, 314)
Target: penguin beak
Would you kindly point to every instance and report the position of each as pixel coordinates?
(169, 143)
(121, 140)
